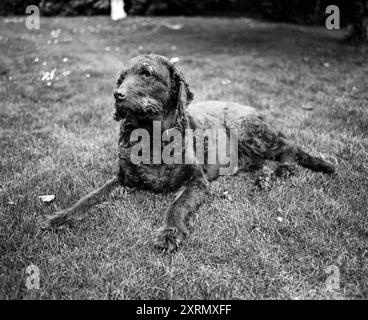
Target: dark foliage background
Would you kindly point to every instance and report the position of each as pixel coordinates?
(353, 12)
(299, 11)
(56, 7)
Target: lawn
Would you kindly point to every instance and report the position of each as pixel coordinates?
(58, 137)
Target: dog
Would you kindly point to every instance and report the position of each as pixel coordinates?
(151, 89)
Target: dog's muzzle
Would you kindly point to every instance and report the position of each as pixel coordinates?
(147, 110)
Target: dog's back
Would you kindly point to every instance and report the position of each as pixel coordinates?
(220, 114)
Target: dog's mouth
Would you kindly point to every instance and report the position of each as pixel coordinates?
(136, 113)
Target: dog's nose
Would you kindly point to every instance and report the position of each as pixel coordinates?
(119, 96)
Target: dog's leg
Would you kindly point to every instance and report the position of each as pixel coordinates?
(268, 171)
(76, 211)
(285, 165)
(287, 162)
(313, 163)
(291, 155)
(174, 229)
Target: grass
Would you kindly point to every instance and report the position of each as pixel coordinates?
(275, 243)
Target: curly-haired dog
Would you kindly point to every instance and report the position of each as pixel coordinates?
(152, 88)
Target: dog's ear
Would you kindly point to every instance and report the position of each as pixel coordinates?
(180, 91)
(184, 96)
(120, 77)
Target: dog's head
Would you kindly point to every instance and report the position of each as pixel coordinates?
(151, 88)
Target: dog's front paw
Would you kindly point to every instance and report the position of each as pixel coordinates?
(285, 170)
(168, 239)
(264, 180)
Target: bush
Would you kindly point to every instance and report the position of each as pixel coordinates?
(15, 7)
(182, 7)
(74, 7)
(353, 12)
(278, 10)
(56, 7)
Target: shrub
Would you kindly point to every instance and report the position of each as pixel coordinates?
(15, 7)
(74, 7)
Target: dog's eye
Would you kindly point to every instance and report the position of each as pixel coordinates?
(146, 72)
(120, 80)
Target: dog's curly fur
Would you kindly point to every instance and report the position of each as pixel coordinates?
(151, 88)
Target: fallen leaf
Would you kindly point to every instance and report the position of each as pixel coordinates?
(47, 198)
(174, 59)
(227, 196)
(173, 26)
(226, 81)
(48, 76)
(55, 33)
(307, 106)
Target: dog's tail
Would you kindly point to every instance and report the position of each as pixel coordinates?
(313, 163)
(77, 211)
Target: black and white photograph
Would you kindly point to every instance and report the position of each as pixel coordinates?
(187, 150)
